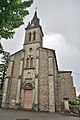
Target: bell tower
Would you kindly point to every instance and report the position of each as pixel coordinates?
(33, 32)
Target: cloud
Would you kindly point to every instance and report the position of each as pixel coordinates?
(65, 52)
(15, 44)
(63, 17)
(68, 56)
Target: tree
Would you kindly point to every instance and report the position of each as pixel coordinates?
(12, 13)
(1, 49)
(3, 67)
(79, 96)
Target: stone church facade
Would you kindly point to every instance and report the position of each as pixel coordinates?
(32, 80)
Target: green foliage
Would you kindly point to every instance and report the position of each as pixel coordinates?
(12, 13)
(75, 103)
(79, 97)
(62, 103)
(3, 66)
(5, 60)
(72, 102)
(1, 49)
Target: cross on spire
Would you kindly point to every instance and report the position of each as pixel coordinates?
(35, 9)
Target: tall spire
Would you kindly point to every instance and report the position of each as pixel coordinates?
(34, 21)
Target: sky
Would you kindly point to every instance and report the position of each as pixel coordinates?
(60, 21)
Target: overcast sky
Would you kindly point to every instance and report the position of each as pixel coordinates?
(60, 20)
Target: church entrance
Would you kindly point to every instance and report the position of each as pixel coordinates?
(28, 99)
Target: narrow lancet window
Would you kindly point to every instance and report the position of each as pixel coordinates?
(29, 75)
(31, 62)
(28, 64)
(34, 35)
(29, 36)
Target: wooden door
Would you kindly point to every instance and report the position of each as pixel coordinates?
(28, 99)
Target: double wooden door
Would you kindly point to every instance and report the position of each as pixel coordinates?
(28, 96)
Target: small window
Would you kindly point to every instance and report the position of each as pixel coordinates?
(34, 35)
(37, 52)
(30, 49)
(29, 75)
(29, 36)
(28, 63)
(31, 62)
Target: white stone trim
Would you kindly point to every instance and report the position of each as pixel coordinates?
(9, 70)
(36, 91)
(5, 92)
(37, 63)
(18, 92)
(51, 95)
(21, 65)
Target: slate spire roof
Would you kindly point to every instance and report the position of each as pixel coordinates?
(34, 22)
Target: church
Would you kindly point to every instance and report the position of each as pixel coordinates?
(33, 80)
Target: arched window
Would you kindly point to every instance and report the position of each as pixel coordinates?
(29, 36)
(28, 75)
(29, 86)
(34, 35)
(30, 62)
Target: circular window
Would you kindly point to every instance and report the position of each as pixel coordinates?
(30, 49)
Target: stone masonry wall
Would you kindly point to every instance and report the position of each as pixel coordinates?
(13, 81)
(7, 83)
(43, 81)
(67, 87)
(57, 92)
(51, 81)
